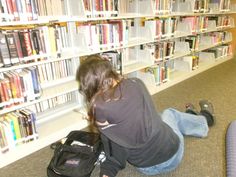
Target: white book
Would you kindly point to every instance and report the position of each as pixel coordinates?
(49, 71)
(9, 133)
(28, 81)
(46, 40)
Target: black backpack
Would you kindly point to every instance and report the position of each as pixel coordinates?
(77, 156)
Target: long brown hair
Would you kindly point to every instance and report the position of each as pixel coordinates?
(95, 76)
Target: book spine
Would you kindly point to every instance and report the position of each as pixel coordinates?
(15, 10)
(20, 96)
(26, 123)
(19, 9)
(4, 50)
(35, 80)
(12, 48)
(33, 120)
(8, 132)
(15, 126)
(3, 140)
(22, 127)
(35, 42)
(28, 43)
(28, 6)
(34, 8)
(29, 81)
(22, 43)
(18, 45)
(10, 9)
(25, 43)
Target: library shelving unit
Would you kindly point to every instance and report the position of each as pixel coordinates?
(162, 42)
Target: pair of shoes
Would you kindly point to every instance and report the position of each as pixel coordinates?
(206, 109)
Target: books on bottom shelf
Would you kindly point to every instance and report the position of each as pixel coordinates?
(17, 128)
(48, 132)
(20, 129)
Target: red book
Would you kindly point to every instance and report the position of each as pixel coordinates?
(2, 97)
(15, 11)
(28, 43)
(7, 91)
(10, 7)
(25, 43)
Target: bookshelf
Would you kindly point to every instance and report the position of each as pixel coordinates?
(41, 44)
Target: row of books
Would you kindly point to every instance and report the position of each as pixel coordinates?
(28, 10)
(217, 37)
(114, 33)
(166, 27)
(27, 45)
(222, 20)
(55, 70)
(222, 4)
(55, 102)
(14, 10)
(202, 23)
(50, 8)
(186, 63)
(201, 6)
(160, 71)
(197, 24)
(17, 128)
(162, 28)
(24, 84)
(105, 35)
(210, 39)
(163, 6)
(197, 6)
(220, 51)
(94, 8)
(19, 86)
(159, 6)
(160, 51)
(189, 63)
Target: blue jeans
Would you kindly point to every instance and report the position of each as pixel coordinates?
(182, 124)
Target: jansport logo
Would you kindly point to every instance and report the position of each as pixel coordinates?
(72, 162)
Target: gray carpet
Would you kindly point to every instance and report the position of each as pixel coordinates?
(203, 157)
